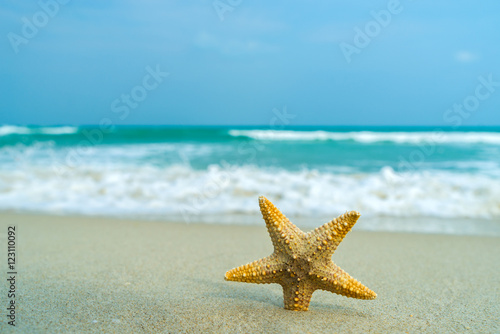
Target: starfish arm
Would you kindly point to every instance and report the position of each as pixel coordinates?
(332, 278)
(325, 239)
(265, 270)
(282, 231)
(297, 295)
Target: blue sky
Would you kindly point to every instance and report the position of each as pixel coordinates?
(79, 65)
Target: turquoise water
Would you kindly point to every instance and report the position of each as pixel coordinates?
(468, 150)
(219, 172)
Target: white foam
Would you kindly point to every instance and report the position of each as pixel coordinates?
(59, 130)
(6, 130)
(367, 137)
(109, 189)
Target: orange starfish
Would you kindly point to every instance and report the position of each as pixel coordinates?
(301, 262)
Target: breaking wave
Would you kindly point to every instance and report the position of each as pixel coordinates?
(373, 137)
(7, 130)
(179, 189)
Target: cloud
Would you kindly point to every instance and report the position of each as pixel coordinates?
(231, 46)
(465, 56)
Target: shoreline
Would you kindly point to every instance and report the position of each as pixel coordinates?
(90, 274)
(465, 226)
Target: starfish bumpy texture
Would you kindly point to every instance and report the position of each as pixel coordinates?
(301, 262)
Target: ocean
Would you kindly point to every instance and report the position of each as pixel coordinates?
(409, 179)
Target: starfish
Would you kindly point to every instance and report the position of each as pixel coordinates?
(301, 262)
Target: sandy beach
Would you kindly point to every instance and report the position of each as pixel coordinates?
(81, 274)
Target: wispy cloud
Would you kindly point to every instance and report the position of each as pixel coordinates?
(231, 46)
(464, 56)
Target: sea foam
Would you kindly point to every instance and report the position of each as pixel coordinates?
(7, 130)
(373, 137)
(182, 190)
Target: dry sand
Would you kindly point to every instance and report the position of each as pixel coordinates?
(79, 274)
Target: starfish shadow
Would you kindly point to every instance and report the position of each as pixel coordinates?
(216, 289)
(240, 292)
(324, 308)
